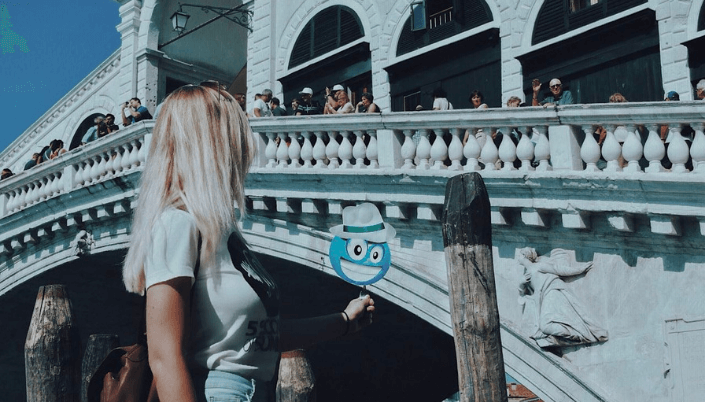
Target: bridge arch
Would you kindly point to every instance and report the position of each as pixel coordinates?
(545, 374)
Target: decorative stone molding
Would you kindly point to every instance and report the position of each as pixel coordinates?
(66, 105)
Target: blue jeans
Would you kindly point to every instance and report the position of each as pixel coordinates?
(220, 386)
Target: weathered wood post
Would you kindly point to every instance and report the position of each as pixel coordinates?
(52, 352)
(97, 348)
(296, 381)
(467, 238)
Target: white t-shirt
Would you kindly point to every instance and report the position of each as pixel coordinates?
(235, 307)
(263, 108)
(346, 108)
(442, 104)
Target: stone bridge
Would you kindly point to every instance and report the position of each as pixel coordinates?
(614, 205)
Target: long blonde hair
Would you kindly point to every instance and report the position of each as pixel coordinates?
(200, 152)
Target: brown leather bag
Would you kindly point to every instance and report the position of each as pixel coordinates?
(124, 376)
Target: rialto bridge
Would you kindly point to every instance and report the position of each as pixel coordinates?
(642, 232)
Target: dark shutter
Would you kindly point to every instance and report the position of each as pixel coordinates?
(329, 29)
(474, 14)
(555, 17)
(701, 18)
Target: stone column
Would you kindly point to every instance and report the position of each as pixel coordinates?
(261, 44)
(130, 12)
(672, 17)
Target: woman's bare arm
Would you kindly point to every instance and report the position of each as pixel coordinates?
(168, 305)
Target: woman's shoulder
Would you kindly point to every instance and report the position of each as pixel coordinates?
(174, 217)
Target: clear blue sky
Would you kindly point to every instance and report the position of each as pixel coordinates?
(66, 41)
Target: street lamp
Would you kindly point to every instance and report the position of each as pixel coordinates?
(178, 20)
(240, 15)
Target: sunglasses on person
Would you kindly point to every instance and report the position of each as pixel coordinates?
(555, 86)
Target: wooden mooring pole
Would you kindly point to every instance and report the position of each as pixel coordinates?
(467, 239)
(296, 380)
(52, 351)
(99, 345)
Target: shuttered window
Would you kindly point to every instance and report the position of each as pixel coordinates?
(560, 16)
(328, 30)
(445, 22)
(701, 18)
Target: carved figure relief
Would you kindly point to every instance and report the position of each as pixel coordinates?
(82, 243)
(559, 315)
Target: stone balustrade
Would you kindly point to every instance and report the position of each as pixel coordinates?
(110, 157)
(526, 139)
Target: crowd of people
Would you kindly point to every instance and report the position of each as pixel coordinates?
(337, 101)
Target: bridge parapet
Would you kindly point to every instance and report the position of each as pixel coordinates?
(561, 138)
(113, 156)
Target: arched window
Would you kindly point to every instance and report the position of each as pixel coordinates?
(557, 17)
(445, 18)
(82, 128)
(328, 30)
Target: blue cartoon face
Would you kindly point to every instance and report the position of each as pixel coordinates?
(358, 261)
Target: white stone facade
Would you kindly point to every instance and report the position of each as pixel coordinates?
(277, 24)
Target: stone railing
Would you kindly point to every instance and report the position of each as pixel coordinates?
(558, 139)
(110, 157)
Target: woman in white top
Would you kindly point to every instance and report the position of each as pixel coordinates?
(228, 338)
(344, 105)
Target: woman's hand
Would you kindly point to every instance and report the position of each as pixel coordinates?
(359, 313)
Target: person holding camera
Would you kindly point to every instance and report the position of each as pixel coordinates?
(136, 110)
(93, 133)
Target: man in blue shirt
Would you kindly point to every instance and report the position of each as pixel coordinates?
(92, 133)
(136, 110)
(558, 95)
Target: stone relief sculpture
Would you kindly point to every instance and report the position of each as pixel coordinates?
(82, 243)
(561, 319)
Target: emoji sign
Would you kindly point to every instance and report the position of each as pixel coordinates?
(359, 252)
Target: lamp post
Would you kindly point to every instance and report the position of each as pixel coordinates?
(240, 15)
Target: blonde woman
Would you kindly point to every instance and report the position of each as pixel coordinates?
(226, 340)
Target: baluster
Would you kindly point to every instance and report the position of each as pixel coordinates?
(439, 150)
(359, 150)
(490, 153)
(408, 150)
(307, 150)
(45, 191)
(294, 150)
(507, 149)
(282, 151)
(372, 152)
(31, 193)
(611, 151)
(654, 150)
(697, 149)
(95, 169)
(332, 150)
(134, 154)
(455, 150)
(22, 200)
(678, 151)
(319, 150)
(590, 150)
(270, 151)
(103, 165)
(632, 150)
(86, 172)
(471, 151)
(11, 201)
(423, 150)
(345, 151)
(542, 151)
(525, 151)
(117, 161)
(125, 162)
(56, 183)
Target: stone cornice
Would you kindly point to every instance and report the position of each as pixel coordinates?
(62, 108)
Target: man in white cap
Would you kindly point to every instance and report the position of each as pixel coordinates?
(307, 105)
(700, 90)
(558, 95)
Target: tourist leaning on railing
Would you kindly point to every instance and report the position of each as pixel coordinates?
(136, 110)
(6, 173)
(367, 105)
